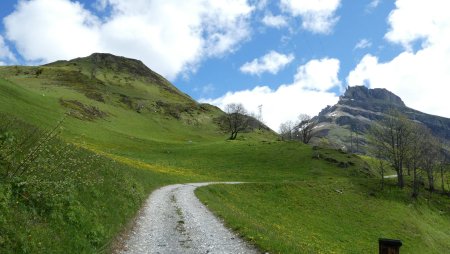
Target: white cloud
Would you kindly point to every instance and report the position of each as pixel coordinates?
(5, 52)
(2, 63)
(421, 78)
(272, 62)
(169, 36)
(277, 21)
(317, 16)
(309, 93)
(52, 29)
(373, 5)
(414, 20)
(363, 43)
(318, 75)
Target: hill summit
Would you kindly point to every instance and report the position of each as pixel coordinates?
(117, 70)
(119, 64)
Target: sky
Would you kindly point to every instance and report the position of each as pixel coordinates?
(290, 57)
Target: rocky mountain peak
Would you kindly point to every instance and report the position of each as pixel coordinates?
(377, 95)
(360, 107)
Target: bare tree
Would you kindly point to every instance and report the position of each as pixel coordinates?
(236, 119)
(305, 128)
(416, 154)
(287, 130)
(442, 166)
(381, 166)
(354, 140)
(430, 158)
(380, 157)
(391, 136)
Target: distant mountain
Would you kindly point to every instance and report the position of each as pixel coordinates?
(346, 123)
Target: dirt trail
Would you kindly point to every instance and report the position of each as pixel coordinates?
(173, 220)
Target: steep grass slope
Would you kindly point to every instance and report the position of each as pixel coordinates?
(58, 198)
(103, 89)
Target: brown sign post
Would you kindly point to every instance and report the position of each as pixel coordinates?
(389, 246)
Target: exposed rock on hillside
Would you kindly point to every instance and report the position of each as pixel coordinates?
(346, 123)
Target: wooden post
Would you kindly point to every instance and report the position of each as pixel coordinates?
(389, 246)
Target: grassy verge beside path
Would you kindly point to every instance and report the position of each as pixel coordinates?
(332, 215)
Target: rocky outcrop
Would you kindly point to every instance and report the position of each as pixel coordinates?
(357, 110)
(372, 96)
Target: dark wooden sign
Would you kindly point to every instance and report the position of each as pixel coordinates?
(389, 246)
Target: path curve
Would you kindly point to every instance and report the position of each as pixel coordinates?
(174, 221)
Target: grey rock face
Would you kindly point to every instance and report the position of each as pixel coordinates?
(380, 95)
(360, 107)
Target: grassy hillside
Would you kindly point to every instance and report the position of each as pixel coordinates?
(140, 108)
(58, 198)
(126, 131)
(332, 215)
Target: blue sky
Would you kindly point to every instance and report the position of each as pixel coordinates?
(355, 23)
(291, 56)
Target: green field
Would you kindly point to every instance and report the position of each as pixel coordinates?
(331, 215)
(128, 131)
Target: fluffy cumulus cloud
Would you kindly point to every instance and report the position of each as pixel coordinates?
(317, 16)
(276, 21)
(318, 75)
(5, 52)
(308, 93)
(272, 62)
(48, 30)
(422, 76)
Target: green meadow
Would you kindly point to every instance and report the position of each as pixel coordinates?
(122, 135)
(330, 215)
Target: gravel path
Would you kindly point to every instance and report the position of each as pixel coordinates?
(174, 221)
